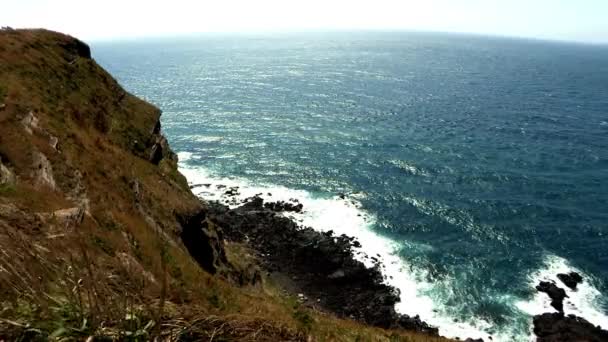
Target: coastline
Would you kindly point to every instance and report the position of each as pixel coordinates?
(341, 215)
(233, 193)
(125, 209)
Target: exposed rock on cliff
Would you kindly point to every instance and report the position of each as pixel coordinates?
(42, 171)
(204, 241)
(71, 141)
(6, 175)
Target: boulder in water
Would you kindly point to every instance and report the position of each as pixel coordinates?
(557, 294)
(571, 279)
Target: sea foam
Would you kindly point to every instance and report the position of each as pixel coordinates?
(582, 302)
(346, 216)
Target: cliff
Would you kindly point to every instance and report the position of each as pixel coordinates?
(100, 235)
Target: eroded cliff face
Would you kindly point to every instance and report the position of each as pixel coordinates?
(89, 187)
(72, 139)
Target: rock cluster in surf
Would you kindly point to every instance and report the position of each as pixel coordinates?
(557, 294)
(557, 327)
(571, 279)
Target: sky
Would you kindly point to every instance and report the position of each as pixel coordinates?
(573, 20)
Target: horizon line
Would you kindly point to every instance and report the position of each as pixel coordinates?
(277, 32)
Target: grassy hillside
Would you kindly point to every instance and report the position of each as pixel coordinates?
(92, 209)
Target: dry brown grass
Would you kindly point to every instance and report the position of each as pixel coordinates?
(59, 286)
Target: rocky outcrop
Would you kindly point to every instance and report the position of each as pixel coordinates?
(6, 175)
(157, 151)
(571, 279)
(322, 265)
(554, 292)
(160, 149)
(43, 171)
(70, 217)
(30, 123)
(203, 240)
(281, 206)
(77, 47)
(555, 327)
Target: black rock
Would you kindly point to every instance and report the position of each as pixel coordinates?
(570, 279)
(283, 206)
(555, 327)
(205, 243)
(323, 264)
(77, 47)
(557, 294)
(253, 203)
(231, 192)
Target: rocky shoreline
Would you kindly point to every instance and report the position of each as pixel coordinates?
(321, 267)
(108, 200)
(558, 327)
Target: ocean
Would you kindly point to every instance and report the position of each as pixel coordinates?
(473, 167)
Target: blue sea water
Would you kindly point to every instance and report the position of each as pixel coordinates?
(473, 166)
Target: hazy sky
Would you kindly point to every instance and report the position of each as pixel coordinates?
(581, 20)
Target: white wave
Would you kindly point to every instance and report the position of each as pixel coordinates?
(409, 168)
(203, 138)
(345, 216)
(184, 156)
(582, 302)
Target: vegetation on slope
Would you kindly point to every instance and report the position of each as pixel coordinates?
(92, 209)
